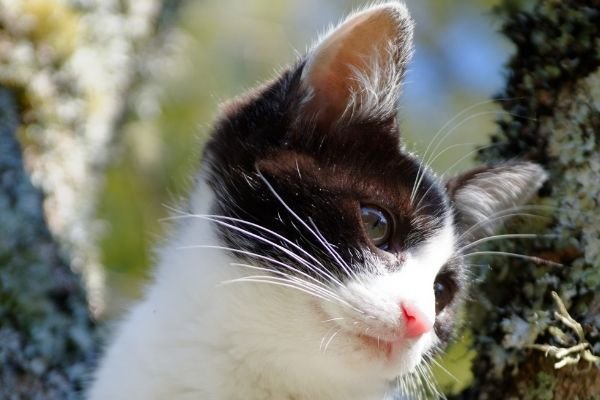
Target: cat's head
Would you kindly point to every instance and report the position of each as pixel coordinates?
(316, 195)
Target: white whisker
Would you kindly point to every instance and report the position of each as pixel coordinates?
(288, 208)
(255, 255)
(442, 176)
(331, 340)
(469, 154)
(275, 281)
(312, 267)
(427, 161)
(507, 213)
(439, 132)
(332, 251)
(318, 288)
(535, 260)
(505, 236)
(277, 235)
(325, 337)
(444, 369)
(448, 148)
(334, 319)
(471, 117)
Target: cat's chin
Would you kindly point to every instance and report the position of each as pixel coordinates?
(371, 348)
(354, 361)
(390, 352)
(392, 357)
(381, 357)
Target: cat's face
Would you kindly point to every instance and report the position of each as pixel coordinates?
(316, 196)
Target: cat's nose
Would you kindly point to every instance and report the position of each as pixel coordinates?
(415, 321)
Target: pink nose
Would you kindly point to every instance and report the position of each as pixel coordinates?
(416, 323)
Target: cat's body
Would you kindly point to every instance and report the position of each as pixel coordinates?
(317, 259)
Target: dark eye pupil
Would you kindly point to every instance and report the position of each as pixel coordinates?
(376, 225)
(443, 295)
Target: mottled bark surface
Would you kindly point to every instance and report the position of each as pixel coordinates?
(69, 71)
(76, 67)
(552, 100)
(47, 339)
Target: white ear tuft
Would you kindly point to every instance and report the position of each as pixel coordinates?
(481, 197)
(355, 71)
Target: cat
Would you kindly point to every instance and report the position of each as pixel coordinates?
(317, 258)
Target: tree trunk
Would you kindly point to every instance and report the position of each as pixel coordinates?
(552, 100)
(46, 336)
(68, 71)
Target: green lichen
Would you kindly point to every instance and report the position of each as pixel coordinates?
(75, 64)
(553, 118)
(47, 340)
(67, 70)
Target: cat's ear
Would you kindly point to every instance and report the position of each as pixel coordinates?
(485, 197)
(356, 70)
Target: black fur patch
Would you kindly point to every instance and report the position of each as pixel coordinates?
(322, 176)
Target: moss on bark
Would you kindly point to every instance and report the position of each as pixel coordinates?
(552, 99)
(67, 71)
(47, 339)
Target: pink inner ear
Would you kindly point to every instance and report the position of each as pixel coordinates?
(360, 44)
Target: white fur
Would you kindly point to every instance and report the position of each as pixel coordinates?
(194, 338)
(379, 294)
(377, 92)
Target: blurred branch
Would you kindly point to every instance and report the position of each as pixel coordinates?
(74, 67)
(67, 73)
(46, 336)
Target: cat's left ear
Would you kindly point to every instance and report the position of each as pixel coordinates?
(355, 72)
(485, 197)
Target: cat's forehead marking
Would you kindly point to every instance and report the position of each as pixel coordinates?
(386, 181)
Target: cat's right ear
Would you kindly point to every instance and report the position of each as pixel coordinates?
(355, 72)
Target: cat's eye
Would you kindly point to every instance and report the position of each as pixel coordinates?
(444, 291)
(377, 225)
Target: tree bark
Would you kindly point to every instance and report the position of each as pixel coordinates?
(68, 73)
(46, 336)
(552, 104)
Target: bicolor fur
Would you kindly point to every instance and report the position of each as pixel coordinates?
(271, 287)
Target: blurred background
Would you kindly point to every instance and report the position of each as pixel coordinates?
(227, 46)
